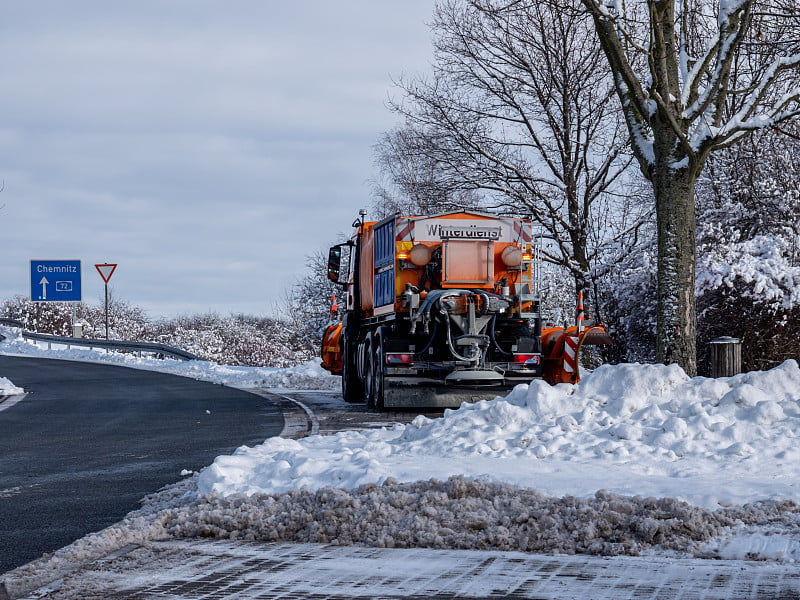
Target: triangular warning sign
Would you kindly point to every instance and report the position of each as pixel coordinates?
(106, 271)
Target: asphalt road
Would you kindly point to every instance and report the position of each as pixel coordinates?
(89, 441)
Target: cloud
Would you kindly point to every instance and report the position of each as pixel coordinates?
(206, 147)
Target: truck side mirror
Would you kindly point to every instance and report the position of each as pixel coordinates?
(334, 263)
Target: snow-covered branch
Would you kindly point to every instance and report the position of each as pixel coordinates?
(753, 115)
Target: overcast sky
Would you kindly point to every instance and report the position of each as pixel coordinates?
(206, 147)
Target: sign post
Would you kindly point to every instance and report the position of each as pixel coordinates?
(106, 270)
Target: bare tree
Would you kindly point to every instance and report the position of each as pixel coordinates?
(694, 76)
(306, 307)
(415, 182)
(521, 108)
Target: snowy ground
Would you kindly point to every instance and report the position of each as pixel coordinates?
(636, 459)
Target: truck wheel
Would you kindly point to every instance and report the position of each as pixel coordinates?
(376, 396)
(352, 387)
(369, 367)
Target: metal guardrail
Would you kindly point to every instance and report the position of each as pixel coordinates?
(160, 350)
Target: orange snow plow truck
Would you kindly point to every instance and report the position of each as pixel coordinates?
(444, 309)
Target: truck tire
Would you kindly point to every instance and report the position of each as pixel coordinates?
(352, 386)
(369, 367)
(375, 400)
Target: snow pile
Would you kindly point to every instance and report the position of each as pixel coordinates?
(469, 514)
(9, 389)
(633, 413)
(629, 429)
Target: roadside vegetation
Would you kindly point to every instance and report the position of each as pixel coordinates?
(241, 340)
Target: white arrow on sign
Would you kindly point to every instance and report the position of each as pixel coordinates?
(44, 283)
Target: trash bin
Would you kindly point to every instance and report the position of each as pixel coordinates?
(77, 330)
(726, 356)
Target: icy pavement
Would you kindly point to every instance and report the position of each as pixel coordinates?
(215, 569)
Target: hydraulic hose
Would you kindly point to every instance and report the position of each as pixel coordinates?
(493, 338)
(419, 353)
(455, 352)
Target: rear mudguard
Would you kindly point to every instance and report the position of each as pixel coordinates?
(331, 351)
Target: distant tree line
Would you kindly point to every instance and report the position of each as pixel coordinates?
(236, 339)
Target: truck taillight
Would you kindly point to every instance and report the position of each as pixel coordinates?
(399, 358)
(527, 359)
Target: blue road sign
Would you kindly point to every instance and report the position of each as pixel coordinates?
(56, 280)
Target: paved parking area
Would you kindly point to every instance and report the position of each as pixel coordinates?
(221, 569)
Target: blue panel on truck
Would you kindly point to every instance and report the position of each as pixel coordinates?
(384, 245)
(384, 264)
(384, 288)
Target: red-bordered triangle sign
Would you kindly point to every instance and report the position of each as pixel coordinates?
(106, 271)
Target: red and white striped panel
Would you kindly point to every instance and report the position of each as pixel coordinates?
(523, 231)
(405, 231)
(570, 353)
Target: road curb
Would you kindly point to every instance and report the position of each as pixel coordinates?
(299, 420)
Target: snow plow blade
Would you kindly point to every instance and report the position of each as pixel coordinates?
(596, 336)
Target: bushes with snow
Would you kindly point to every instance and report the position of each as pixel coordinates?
(748, 271)
(232, 340)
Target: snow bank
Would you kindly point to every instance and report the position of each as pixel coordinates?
(631, 412)
(630, 429)
(307, 376)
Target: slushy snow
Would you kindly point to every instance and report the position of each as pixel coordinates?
(634, 459)
(9, 389)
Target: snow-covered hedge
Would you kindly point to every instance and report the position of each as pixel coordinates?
(763, 268)
(228, 340)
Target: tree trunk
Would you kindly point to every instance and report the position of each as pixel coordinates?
(676, 323)
(580, 263)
